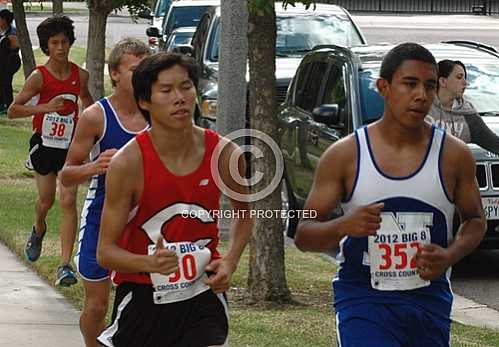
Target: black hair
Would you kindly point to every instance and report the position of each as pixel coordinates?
(8, 16)
(446, 66)
(146, 74)
(53, 26)
(402, 52)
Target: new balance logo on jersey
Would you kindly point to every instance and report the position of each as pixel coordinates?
(204, 182)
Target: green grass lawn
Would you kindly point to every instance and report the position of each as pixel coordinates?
(310, 322)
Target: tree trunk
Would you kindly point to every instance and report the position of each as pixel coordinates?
(267, 277)
(57, 7)
(231, 107)
(99, 10)
(23, 37)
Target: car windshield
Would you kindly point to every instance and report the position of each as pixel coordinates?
(482, 91)
(185, 16)
(161, 7)
(298, 34)
(180, 39)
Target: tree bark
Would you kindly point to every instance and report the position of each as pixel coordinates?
(57, 7)
(99, 10)
(23, 38)
(231, 107)
(267, 277)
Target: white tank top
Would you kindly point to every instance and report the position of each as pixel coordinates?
(417, 211)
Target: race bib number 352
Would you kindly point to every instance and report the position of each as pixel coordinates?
(392, 250)
(188, 280)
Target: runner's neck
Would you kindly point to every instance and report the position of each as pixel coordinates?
(59, 70)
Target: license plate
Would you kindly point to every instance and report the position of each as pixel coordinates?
(491, 208)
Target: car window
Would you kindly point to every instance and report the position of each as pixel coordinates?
(371, 102)
(298, 34)
(334, 90)
(308, 95)
(483, 85)
(184, 16)
(162, 7)
(199, 37)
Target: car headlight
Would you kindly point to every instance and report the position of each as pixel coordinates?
(209, 109)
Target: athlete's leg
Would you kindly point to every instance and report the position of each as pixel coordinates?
(46, 185)
(92, 319)
(67, 198)
(429, 329)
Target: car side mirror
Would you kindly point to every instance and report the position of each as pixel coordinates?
(145, 13)
(184, 49)
(327, 114)
(153, 32)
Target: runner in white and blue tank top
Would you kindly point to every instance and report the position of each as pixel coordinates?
(114, 136)
(398, 181)
(381, 269)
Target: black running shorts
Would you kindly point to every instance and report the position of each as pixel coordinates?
(45, 159)
(197, 322)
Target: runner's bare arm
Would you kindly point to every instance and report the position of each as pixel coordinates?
(123, 188)
(32, 87)
(85, 96)
(89, 129)
(241, 225)
(433, 259)
(321, 234)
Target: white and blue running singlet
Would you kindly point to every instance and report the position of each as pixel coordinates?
(114, 135)
(381, 268)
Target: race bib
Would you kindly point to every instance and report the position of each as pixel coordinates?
(188, 280)
(57, 127)
(392, 250)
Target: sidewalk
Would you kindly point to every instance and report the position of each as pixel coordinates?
(32, 313)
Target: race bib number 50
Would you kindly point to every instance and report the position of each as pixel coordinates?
(392, 250)
(188, 280)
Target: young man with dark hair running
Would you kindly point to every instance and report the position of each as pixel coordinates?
(57, 85)
(399, 181)
(158, 231)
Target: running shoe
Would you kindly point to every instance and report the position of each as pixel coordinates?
(65, 276)
(33, 247)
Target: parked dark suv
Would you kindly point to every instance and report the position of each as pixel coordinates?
(298, 31)
(334, 92)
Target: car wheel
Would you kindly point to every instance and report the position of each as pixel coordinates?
(289, 220)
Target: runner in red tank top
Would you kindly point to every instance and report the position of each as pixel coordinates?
(56, 86)
(158, 227)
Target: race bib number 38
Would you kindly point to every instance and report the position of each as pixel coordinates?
(392, 250)
(188, 280)
(57, 127)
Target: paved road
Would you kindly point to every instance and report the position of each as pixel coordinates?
(477, 278)
(385, 28)
(117, 28)
(428, 28)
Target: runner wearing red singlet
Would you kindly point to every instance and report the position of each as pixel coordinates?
(56, 87)
(158, 231)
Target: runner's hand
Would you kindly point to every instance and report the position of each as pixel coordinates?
(219, 282)
(432, 261)
(364, 221)
(55, 105)
(163, 260)
(102, 163)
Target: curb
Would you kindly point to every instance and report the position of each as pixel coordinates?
(468, 312)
